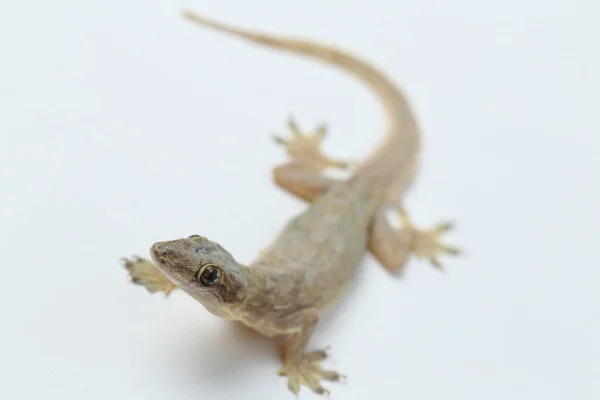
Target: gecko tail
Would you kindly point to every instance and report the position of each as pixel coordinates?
(402, 140)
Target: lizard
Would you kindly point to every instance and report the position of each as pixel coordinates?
(314, 258)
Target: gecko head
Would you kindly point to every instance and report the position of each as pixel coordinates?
(204, 270)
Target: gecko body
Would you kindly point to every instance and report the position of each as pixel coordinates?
(309, 266)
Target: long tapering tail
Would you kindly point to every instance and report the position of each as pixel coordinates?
(402, 139)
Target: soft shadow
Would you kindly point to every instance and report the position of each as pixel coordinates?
(227, 351)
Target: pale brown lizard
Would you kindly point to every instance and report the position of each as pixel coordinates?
(311, 263)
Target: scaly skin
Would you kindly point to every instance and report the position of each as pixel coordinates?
(313, 260)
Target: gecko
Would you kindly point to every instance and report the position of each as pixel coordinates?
(314, 258)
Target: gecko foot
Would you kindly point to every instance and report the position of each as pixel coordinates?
(427, 243)
(145, 273)
(305, 148)
(307, 371)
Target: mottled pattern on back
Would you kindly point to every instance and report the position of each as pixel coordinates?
(323, 246)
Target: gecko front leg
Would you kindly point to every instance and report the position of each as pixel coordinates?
(144, 273)
(302, 367)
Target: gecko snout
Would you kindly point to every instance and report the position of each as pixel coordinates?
(170, 251)
(160, 251)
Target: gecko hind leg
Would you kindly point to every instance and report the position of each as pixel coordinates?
(305, 148)
(389, 245)
(144, 273)
(303, 182)
(392, 246)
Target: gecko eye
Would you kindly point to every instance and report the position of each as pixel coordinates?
(209, 275)
(193, 236)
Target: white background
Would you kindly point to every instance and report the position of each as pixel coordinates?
(121, 124)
